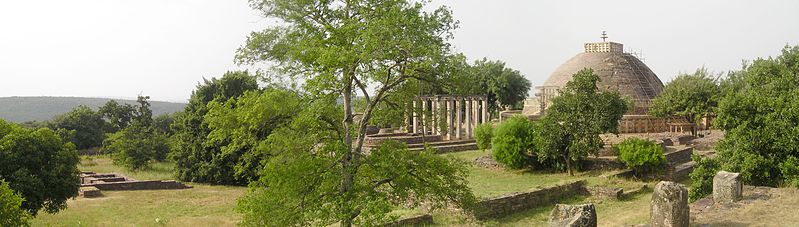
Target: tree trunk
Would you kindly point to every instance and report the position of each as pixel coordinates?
(568, 165)
(346, 162)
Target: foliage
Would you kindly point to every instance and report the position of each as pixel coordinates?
(504, 87)
(578, 115)
(702, 177)
(143, 114)
(135, 146)
(644, 156)
(162, 123)
(483, 133)
(758, 111)
(39, 166)
(511, 142)
(89, 126)
(196, 160)
(345, 48)
(239, 126)
(117, 115)
(790, 171)
(11, 214)
(692, 96)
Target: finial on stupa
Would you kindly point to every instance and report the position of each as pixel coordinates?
(604, 36)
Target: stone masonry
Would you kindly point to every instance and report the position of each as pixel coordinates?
(573, 216)
(669, 206)
(727, 187)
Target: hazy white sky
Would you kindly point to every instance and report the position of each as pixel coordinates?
(162, 48)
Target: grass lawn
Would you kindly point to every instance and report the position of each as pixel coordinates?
(203, 205)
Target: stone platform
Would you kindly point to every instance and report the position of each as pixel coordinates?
(92, 183)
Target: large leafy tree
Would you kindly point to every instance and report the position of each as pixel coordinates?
(39, 166)
(760, 113)
(691, 96)
(505, 87)
(195, 159)
(89, 126)
(579, 114)
(117, 115)
(136, 146)
(344, 48)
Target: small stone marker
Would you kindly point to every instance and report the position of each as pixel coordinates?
(669, 206)
(727, 187)
(573, 216)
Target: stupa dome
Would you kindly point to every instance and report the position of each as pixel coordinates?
(617, 71)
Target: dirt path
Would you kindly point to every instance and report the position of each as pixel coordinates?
(761, 206)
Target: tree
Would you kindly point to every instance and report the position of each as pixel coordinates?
(578, 115)
(88, 125)
(117, 115)
(758, 111)
(136, 146)
(505, 87)
(10, 212)
(345, 48)
(195, 159)
(39, 166)
(143, 114)
(691, 96)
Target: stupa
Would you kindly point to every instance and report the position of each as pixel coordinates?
(617, 70)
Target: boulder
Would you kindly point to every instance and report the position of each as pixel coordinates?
(669, 206)
(573, 215)
(727, 187)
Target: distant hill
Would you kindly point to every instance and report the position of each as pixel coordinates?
(22, 109)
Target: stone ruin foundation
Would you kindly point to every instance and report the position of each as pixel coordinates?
(727, 187)
(91, 184)
(573, 216)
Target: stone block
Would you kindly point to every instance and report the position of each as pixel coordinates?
(573, 216)
(605, 192)
(727, 187)
(669, 205)
(90, 192)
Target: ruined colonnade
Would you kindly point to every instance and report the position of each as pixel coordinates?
(455, 116)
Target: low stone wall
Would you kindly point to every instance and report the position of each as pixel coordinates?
(646, 123)
(139, 185)
(421, 220)
(374, 141)
(508, 204)
(679, 155)
(602, 163)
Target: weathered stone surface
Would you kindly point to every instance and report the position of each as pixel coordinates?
(669, 206)
(509, 204)
(573, 215)
(419, 220)
(727, 187)
(605, 192)
(90, 192)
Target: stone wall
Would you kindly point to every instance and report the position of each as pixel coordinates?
(508, 204)
(646, 123)
(372, 141)
(420, 220)
(139, 185)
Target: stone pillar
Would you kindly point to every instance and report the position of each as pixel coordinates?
(468, 118)
(669, 205)
(415, 116)
(573, 216)
(727, 187)
(449, 118)
(485, 110)
(459, 119)
(434, 116)
(424, 116)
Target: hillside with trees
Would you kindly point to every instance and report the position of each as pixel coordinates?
(22, 109)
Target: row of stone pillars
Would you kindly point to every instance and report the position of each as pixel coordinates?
(459, 115)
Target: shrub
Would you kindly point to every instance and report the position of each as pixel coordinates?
(512, 138)
(641, 155)
(482, 134)
(10, 212)
(790, 171)
(135, 146)
(702, 177)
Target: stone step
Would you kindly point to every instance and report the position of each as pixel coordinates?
(440, 143)
(681, 171)
(450, 148)
(678, 155)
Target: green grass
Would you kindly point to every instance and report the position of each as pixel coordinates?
(203, 205)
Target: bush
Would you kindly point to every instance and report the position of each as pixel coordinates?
(702, 177)
(511, 141)
(10, 212)
(790, 171)
(135, 146)
(641, 155)
(482, 134)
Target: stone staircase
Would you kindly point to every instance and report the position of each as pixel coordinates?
(417, 142)
(678, 162)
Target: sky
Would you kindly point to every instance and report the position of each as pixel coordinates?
(164, 48)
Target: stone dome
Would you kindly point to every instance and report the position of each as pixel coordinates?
(617, 70)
